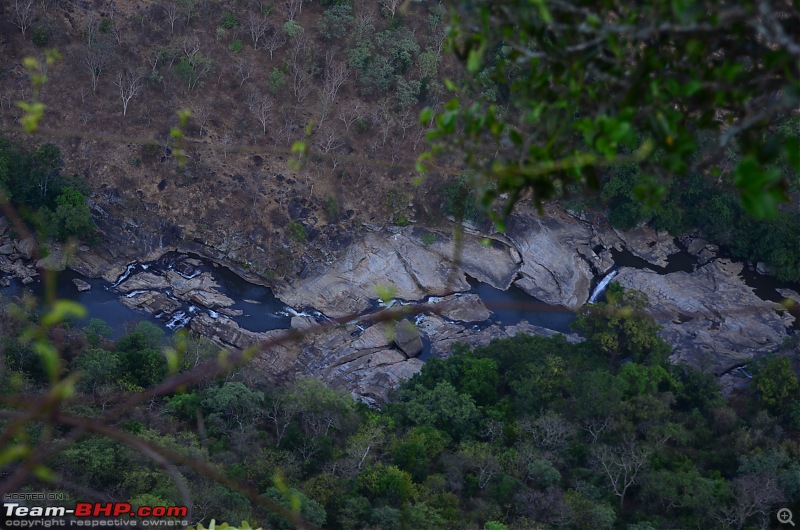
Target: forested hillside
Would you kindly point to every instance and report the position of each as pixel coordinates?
(525, 433)
(270, 136)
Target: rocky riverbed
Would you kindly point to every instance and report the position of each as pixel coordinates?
(710, 315)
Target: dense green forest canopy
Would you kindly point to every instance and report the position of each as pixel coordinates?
(527, 432)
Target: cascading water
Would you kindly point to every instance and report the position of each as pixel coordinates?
(602, 286)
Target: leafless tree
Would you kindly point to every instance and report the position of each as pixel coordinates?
(47, 3)
(129, 84)
(22, 14)
(95, 61)
(188, 8)
(550, 431)
(406, 120)
(382, 118)
(753, 494)
(244, 69)
(153, 58)
(329, 143)
(302, 68)
(257, 25)
(261, 106)
(275, 41)
(201, 114)
(351, 113)
(85, 117)
(336, 73)
(596, 426)
(621, 464)
(91, 29)
(293, 8)
(364, 23)
(171, 13)
(391, 5)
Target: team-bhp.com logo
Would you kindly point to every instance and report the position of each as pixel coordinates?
(92, 514)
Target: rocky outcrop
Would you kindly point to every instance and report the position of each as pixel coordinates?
(653, 247)
(710, 316)
(395, 262)
(81, 285)
(56, 260)
(443, 334)
(365, 363)
(26, 247)
(406, 337)
(489, 260)
(552, 269)
(464, 308)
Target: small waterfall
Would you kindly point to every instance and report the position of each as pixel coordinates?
(602, 286)
(131, 267)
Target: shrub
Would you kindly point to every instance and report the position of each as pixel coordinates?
(292, 28)
(40, 37)
(236, 46)
(297, 231)
(229, 21)
(106, 25)
(71, 216)
(336, 21)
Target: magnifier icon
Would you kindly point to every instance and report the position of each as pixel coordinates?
(785, 516)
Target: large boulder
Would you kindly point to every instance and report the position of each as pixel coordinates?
(710, 316)
(56, 260)
(496, 263)
(143, 281)
(81, 285)
(397, 262)
(407, 338)
(26, 247)
(552, 270)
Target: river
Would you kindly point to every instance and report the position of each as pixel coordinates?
(257, 309)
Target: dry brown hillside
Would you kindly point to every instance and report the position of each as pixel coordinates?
(257, 76)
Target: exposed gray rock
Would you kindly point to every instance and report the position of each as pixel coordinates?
(646, 243)
(5, 282)
(496, 264)
(696, 245)
(96, 263)
(790, 294)
(464, 307)
(552, 269)
(151, 302)
(201, 289)
(26, 247)
(81, 285)
(3, 225)
(27, 280)
(443, 334)
(379, 260)
(365, 364)
(56, 260)
(143, 281)
(7, 248)
(710, 316)
(407, 338)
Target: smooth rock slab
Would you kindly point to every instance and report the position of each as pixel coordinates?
(711, 317)
(407, 338)
(396, 262)
(552, 268)
(81, 285)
